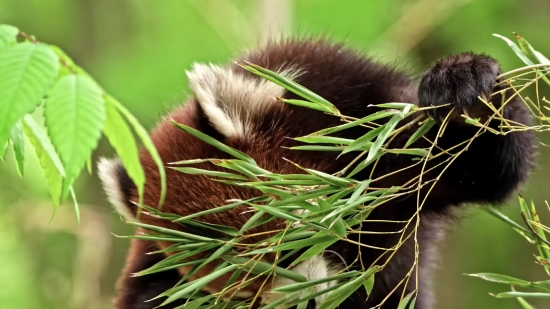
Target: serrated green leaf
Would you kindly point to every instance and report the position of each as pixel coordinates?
(18, 143)
(121, 138)
(8, 35)
(26, 72)
(74, 115)
(147, 143)
(49, 160)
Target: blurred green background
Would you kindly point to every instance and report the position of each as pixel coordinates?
(138, 50)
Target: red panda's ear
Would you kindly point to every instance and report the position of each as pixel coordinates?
(117, 185)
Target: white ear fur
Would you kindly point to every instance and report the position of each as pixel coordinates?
(230, 99)
(109, 173)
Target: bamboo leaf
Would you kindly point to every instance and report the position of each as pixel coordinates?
(213, 142)
(422, 130)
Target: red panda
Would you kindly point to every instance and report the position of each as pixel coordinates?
(238, 108)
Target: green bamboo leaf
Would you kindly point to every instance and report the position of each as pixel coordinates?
(152, 270)
(337, 181)
(413, 302)
(147, 143)
(121, 138)
(529, 51)
(296, 287)
(74, 115)
(302, 243)
(422, 130)
(397, 105)
(515, 49)
(369, 284)
(524, 304)
(363, 140)
(262, 267)
(290, 86)
(318, 248)
(318, 139)
(411, 151)
(18, 143)
(193, 224)
(369, 118)
(213, 142)
(312, 296)
(522, 294)
(318, 148)
(8, 35)
(49, 160)
(508, 281)
(306, 104)
(199, 283)
(337, 296)
(235, 166)
(532, 54)
(384, 134)
(339, 227)
(194, 304)
(405, 301)
(26, 72)
(221, 208)
(218, 253)
(171, 232)
(499, 215)
(210, 173)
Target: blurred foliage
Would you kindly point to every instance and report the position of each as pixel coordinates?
(139, 51)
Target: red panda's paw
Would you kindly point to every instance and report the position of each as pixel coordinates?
(459, 81)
